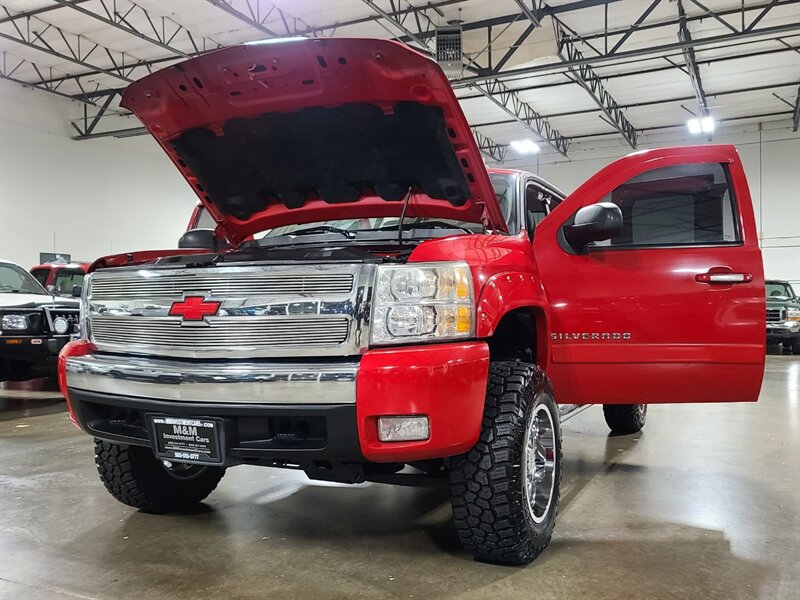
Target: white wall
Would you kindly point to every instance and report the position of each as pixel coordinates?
(771, 157)
(114, 195)
(88, 198)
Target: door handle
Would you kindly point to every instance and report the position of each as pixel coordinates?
(727, 276)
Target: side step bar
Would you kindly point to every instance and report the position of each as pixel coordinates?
(567, 411)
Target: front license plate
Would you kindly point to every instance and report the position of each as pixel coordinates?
(187, 439)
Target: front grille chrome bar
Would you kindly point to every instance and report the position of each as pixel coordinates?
(250, 332)
(776, 315)
(231, 285)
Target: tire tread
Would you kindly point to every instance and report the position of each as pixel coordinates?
(135, 477)
(487, 500)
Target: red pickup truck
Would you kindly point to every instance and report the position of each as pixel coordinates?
(373, 304)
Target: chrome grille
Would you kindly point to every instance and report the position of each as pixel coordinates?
(264, 310)
(222, 332)
(776, 315)
(235, 285)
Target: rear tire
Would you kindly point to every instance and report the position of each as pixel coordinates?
(134, 476)
(505, 491)
(625, 418)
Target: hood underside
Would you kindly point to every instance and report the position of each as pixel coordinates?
(270, 134)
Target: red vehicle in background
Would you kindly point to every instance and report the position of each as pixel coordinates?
(385, 308)
(61, 278)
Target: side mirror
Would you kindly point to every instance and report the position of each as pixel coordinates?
(52, 290)
(199, 238)
(77, 290)
(594, 223)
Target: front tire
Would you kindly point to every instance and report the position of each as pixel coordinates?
(624, 419)
(505, 491)
(134, 476)
(796, 345)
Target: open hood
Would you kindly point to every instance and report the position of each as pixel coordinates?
(297, 131)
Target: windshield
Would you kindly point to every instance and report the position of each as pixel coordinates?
(66, 279)
(779, 289)
(16, 280)
(353, 226)
(503, 186)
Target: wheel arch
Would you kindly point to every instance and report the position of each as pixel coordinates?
(513, 316)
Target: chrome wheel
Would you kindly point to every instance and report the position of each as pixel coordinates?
(539, 465)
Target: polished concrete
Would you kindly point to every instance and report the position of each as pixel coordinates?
(703, 504)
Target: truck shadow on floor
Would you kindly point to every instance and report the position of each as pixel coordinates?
(578, 472)
(282, 543)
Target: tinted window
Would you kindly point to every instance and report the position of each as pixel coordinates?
(539, 203)
(676, 206)
(41, 275)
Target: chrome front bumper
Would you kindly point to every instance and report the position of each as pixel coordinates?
(240, 382)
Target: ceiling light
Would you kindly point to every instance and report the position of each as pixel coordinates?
(698, 126)
(296, 38)
(526, 146)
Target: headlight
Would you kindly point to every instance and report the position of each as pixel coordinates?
(14, 322)
(423, 301)
(793, 314)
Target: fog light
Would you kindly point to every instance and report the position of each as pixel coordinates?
(61, 325)
(403, 429)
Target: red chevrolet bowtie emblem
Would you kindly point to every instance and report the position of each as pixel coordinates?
(194, 308)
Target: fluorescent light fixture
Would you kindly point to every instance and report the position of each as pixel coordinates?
(698, 126)
(275, 40)
(526, 146)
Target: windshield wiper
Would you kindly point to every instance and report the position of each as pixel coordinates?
(322, 229)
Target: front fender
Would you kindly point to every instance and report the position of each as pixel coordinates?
(510, 291)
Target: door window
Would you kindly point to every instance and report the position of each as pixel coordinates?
(683, 205)
(205, 220)
(504, 186)
(538, 204)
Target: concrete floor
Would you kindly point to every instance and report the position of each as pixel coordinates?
(703, 504)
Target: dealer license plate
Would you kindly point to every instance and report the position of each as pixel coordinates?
(187, 439)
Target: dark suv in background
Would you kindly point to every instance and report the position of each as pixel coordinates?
(783, 315)
(34, 325)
